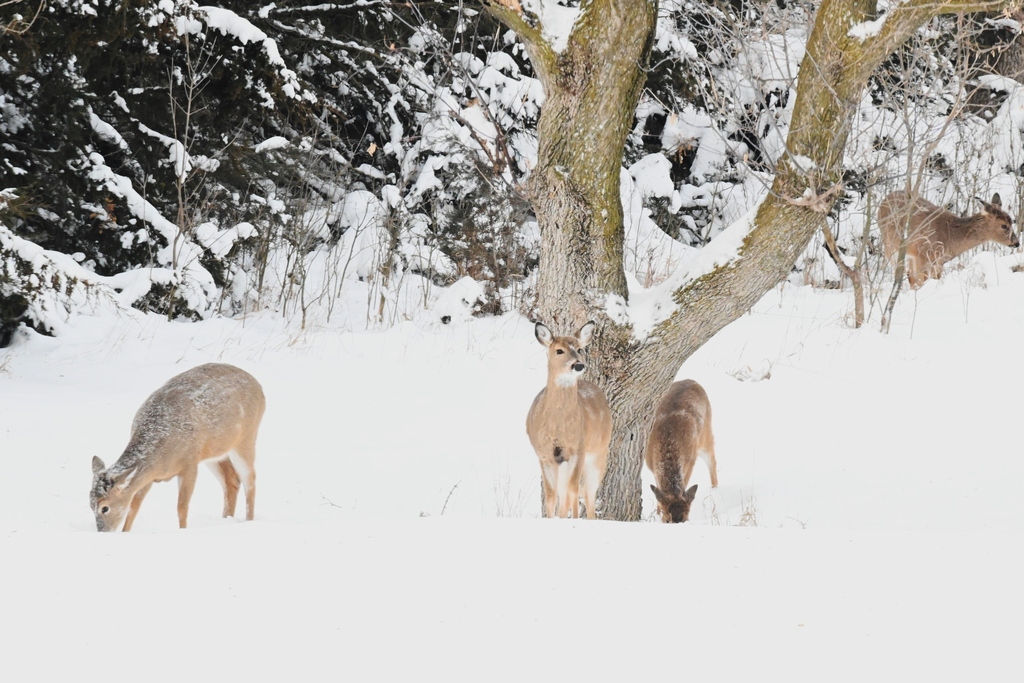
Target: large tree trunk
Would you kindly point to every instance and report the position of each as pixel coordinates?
(592, 89)
(590, 98)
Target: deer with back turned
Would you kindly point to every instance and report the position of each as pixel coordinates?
(935, 236)
(681, 433)
(570, 426)
(209, 414)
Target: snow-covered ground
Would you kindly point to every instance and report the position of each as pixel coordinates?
(868, 522)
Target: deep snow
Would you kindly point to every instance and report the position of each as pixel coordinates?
(397, 530)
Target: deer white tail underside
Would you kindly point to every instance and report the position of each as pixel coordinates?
(570, 426)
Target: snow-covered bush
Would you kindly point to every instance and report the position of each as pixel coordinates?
(130, 130)
(200, 160)
(43, 288)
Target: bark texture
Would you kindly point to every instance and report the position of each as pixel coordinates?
(592, 89)
(591, 93)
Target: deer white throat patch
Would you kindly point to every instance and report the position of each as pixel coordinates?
(567, 379)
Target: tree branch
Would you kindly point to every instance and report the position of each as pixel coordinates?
(528, 28)
(796, 206)
(903, 20)
(19, 26)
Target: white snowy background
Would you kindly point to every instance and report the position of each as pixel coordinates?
(868, 521)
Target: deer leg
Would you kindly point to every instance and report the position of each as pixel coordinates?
(231, 485)
(575, 475)
(709, 457)
(591, 481)
(186, 484)
(918, 273)
(133, 507)
(229, 481)
(908, 267)
(244, 461)
(549, 475)
(564, 475)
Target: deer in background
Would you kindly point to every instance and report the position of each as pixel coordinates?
(209, 414)
(681, 433)
(570, 426)
(934, 236)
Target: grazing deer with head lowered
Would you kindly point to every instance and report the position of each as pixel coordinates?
(570, 426)
(207, 414)
(681, 433)
(934, 236)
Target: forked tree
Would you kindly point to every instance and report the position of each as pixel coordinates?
(592, 87)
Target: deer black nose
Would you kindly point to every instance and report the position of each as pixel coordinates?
(579, 367)
(1015, 242)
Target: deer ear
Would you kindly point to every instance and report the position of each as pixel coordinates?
(97, 465)
(586, 333)
(691, 493)
(122, 480)
(543, 334)
(996, 200)
(658, 494)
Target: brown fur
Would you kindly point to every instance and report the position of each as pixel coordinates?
(570, 426)
(934, 236)
(681, 432)
(209, 413)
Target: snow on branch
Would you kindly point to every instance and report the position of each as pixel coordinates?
(528, 26)
(648, 308)
(106, 131)
(244, 31)
(556, 21)
(53, 284)
(867, 29)
(56, 287)
(195, 283)
(882, 36)
(267, 10)
(179, 157)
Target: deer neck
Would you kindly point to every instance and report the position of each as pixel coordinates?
(961, 235)
(137, 456)
(670, 479)
(129, 463)
(562, 393)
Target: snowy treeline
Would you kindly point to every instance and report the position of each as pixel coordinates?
(198, 160)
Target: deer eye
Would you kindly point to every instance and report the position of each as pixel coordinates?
(559, 351)
(104, 509)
